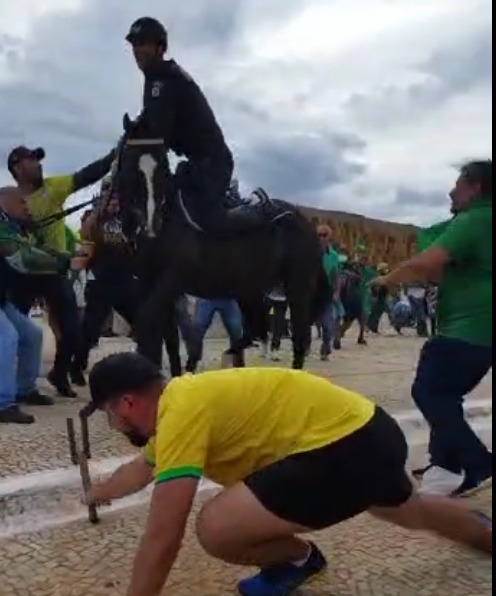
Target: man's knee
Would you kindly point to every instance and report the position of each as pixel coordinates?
(34, 336)
(210, 532)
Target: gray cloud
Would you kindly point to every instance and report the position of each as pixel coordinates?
(412, 198)
(300, 167)
(449, 72)
(73, 83)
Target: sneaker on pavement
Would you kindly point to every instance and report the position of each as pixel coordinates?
(275, 356)
(62, 385)
(471, 487)
(440, 482)
(484, 518)
(15, 415)
(35, 398)
(284, 579)
(77, 377)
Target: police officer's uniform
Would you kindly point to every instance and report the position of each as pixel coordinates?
(176, 110)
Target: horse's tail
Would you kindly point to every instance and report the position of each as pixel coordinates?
(321, 295)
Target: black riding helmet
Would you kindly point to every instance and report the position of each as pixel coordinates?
(148, 30)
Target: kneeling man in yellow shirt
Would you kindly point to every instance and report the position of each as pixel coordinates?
(293, 452)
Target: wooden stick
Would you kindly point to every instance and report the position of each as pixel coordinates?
(85, 434)
(86, 479)
(71, 435)
(79, 458)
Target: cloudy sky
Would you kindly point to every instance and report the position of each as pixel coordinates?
(356, 105)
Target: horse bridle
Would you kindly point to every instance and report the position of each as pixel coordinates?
(142, 224)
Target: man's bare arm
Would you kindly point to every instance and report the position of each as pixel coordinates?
(127, 480)
(171, 505)
(426, 266)
(93, 173)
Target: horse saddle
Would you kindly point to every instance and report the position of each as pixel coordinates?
(240, 217)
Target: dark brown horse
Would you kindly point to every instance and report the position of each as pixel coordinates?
(175, 257)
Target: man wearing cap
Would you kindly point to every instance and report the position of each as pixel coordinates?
(279, 441)
(45, 197)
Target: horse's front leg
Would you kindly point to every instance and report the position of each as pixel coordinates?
(156, 321)
(172, 340)
(148, 334)
(300, 306)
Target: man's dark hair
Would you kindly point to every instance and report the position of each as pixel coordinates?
(479, 172)
(119, 374)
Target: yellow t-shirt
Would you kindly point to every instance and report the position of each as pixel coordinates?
(47, 201)
(225, 425)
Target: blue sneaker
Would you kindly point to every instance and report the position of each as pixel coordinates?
(284, 579)
(484, 518)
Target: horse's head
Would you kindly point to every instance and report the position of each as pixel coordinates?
(142, 179)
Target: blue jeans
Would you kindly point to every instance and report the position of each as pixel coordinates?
(230, 314)
(449, 369)
(20, 355)
(420, 314)
(328, 322)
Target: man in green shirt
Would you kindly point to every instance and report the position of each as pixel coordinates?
(356, 294)
(454, 362)
(329, 319)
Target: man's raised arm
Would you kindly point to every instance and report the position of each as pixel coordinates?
(94, 172)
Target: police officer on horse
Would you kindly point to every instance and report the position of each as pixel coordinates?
(176, 110)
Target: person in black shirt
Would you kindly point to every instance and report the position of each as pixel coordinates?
(176, 110)
(114, 287)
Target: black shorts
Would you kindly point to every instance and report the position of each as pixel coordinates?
(330, 485)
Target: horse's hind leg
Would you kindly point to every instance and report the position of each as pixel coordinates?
(299, 300)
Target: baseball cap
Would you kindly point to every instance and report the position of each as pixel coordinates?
(20, 153)
(119, 374)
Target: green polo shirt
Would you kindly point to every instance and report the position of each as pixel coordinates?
(330, 260)
(465, 301)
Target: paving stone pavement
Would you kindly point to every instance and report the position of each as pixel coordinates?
(367, 558)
